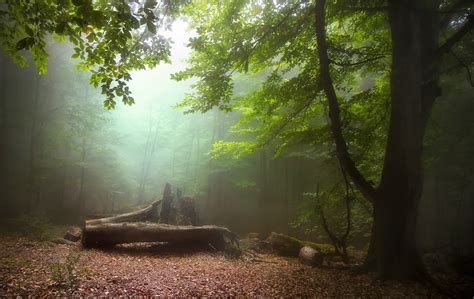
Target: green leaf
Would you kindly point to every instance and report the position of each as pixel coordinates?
(29, 31)
(151, 27)
(60, 28)
(25, 43)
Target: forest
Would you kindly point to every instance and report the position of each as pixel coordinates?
(237, 148)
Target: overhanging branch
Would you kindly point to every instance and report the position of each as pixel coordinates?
(456, 37)
(326, 82)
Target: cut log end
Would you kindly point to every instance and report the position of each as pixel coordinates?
(311, 256)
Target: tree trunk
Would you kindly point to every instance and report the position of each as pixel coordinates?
(150, 213)
(263, 206)
(33, 169)
(4, 138)
(149, 151)
(81, 198)
(398, 196)
(109, 234)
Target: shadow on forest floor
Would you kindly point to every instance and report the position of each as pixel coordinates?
(159, 248)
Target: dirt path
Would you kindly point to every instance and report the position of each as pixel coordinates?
(27, 268)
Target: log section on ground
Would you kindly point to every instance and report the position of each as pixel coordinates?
(109, 234)
(150, 213)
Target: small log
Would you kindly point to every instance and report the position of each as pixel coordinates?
(109, 234)
(311, 256)
(150, 213)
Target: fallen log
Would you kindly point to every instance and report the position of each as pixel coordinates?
(150, 213)
(109, 234)
(285, 245)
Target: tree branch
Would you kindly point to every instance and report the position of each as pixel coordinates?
(455, 8)
(363, 61)
(456, 37)
(326, 82)
(465, 66)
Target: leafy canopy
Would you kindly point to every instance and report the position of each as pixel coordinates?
(110, 38)
(240, 42)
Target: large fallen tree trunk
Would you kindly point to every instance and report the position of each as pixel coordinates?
(109, 234)
(150, 213)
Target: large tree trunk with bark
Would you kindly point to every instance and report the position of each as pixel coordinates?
(109, 234)
(414, 43)
(150, 213)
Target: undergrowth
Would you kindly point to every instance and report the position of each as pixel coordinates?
(65, 274)
(35, 226)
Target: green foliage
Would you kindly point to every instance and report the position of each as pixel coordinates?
(111, 38)
(260, 59)
(65, 274)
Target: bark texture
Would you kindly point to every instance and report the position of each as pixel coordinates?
(413, 91)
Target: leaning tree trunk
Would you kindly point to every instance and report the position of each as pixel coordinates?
(109, 234)
(150, 213)
(394, 252)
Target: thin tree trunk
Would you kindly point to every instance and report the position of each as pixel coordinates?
(32, 174)
(142, 173)
(147, 165)
(198, 154)
(262, 203)
(83, 175)
(4, 167)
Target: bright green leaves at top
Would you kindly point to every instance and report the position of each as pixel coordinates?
(110, 38)
(242, 42)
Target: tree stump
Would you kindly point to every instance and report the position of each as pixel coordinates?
(73, 234)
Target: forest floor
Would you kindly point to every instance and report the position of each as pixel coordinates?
(41, 268)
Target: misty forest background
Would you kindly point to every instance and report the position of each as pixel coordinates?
(64, 156)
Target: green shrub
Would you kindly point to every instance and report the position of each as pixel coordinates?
(66, 274)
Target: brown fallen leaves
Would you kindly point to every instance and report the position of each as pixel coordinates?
(26, 267)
